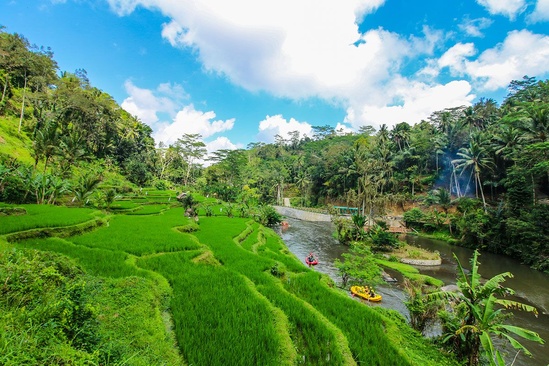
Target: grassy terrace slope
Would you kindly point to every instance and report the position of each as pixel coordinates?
(236, 295)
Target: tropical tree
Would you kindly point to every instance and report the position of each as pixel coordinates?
(478, 315)
(475, 158)
(358, 266)
(85, 186)
(46, 144)
(191, 148)
(422, 311)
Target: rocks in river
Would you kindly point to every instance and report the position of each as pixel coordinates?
(387, 277)
(450, 288)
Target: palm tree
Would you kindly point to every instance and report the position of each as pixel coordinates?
(537, 129)
(475, 320)
(85, 187)
(46, 143)
(505, 141)
(302, 182)
(474, 157)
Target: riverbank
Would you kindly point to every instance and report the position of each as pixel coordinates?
(295, 213)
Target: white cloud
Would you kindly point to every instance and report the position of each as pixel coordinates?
(221, 143)
(278, 125)
(508, 8)
(191, 121)
(455, 58)
(541, 12)
(521, 53)
(123, 7)
(292, 49)
(420, 100)
(343, 129)
(474, 27)
(146, 104)
(161, 109)
(314, 48)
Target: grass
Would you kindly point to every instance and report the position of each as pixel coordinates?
(45, 216)
(98, 262)
(438, 235)
(54, 314)
(237, 296)
(149, 209)
(12, 143)
(141, 235)
(207, 307)
(410, 272)
(411, 252)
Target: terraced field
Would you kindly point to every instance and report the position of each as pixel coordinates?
(236, 294)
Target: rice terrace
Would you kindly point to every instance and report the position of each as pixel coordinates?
(209, 183)
(160, 289)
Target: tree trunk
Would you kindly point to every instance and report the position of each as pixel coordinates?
(481, 191)
(5, 88)
(23, 104)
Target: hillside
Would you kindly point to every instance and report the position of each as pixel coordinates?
(13, 144)
(235, 294)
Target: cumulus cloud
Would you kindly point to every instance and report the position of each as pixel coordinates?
(474, 27)
(343, 129)
(419, 100)
(278, 125)
(163, 109)
(221, 143)
(455, 58)
(314, 48)
(191, 121)
(292, 49)
(508, 8)
(521, 53)
(541, 11)
(146, 104)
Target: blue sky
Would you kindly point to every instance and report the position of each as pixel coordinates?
(243, 71)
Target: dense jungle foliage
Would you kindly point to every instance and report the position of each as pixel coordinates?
(480, 172)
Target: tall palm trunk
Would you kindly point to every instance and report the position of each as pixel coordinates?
(477, 175)
(23, 104)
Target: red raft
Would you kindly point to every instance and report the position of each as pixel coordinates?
(312, 262)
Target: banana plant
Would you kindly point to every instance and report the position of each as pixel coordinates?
(477, 315)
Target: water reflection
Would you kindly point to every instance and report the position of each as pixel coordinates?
(532, 287)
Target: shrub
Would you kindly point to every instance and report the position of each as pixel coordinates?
(268, 216)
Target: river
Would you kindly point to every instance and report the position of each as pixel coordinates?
(532, 287)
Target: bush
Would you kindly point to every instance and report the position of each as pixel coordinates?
(382, 240)
(414, 218)
(268, 216)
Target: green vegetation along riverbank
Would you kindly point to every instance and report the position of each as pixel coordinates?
(147, 293)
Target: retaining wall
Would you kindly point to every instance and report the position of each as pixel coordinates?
(302, 215)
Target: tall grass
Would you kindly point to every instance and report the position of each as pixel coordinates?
(98, 262)
(149, 209)
(208, 308)
(42, 216)
(54, 314)
(141, 235)
(239, 296)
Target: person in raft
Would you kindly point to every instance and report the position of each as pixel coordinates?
(311, 258)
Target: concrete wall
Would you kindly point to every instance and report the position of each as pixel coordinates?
(302, 215)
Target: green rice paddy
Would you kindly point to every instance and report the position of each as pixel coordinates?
(236, 294)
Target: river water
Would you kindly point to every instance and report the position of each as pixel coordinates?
(532, 287)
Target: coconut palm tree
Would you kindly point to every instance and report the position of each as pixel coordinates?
(537, 127)
(474, 157)
(478, 315)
